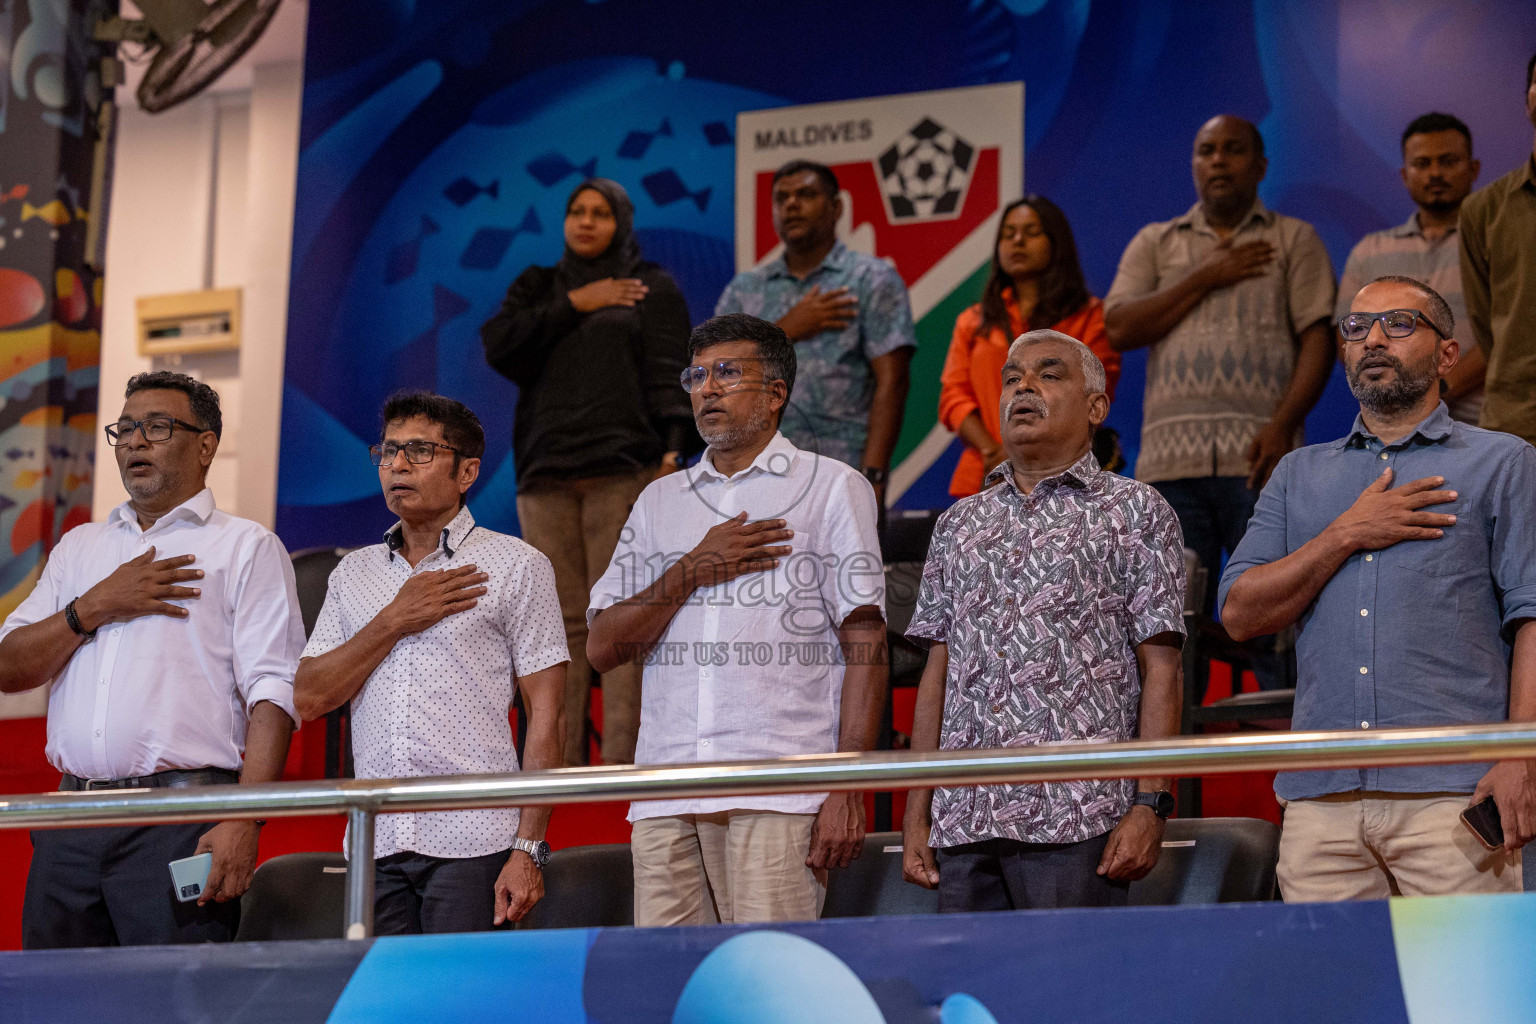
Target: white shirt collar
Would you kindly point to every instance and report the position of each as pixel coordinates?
(459, 527)
(778, 459)
(195, 509)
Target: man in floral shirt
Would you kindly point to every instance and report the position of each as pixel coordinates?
(1053, 602)
(850, 319)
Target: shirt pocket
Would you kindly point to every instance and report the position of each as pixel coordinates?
(1462, 551)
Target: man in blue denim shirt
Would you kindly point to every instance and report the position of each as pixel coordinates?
(1406, 556)
(850, 319)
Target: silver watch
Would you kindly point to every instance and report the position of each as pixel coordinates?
(538, 849)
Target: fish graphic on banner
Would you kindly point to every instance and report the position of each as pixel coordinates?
(552, 167)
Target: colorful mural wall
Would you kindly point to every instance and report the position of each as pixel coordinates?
(50, 299)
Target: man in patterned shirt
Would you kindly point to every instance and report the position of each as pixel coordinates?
(1234, 301)
(1053, 602)
(427, 634)
(847, 313)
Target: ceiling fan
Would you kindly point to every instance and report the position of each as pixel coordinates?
(194, 43)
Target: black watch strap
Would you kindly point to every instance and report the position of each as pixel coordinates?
(1161, 802)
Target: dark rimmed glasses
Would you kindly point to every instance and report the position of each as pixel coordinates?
(1395, 323)
(156, 429)
(417, 453)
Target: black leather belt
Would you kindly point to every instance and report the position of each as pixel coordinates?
(174, 779)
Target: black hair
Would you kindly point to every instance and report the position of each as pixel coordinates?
(204, 400)
(1436, 122)
(461, 427)
(1439, 311)
(822, 172)
(1062, 288)
(1530, 71)
(774, 348)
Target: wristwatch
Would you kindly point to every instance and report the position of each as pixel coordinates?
(538, 849)
(1161, 802)
(876, 476)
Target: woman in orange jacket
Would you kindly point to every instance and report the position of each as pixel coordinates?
(1036, 282)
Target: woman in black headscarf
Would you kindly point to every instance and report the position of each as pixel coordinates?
(595, 345)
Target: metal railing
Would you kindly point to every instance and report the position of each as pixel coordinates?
(361, 800)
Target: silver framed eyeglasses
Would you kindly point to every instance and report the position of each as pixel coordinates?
(727, 373)
(417, 453)
(1395, 323)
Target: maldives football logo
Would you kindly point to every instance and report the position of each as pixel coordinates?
(924, 174)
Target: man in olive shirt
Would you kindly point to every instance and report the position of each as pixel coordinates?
(1498, 278)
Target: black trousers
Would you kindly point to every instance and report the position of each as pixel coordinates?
(1002, 874)
(112, 887)
(415, 894)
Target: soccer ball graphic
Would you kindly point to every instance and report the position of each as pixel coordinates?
(925, 172)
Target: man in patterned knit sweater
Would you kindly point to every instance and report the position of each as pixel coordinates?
(1053, 606)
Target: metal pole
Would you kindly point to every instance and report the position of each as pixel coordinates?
(359, 908)
(809, 773)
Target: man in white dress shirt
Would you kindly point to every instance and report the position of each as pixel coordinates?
(427, 634)
(752, 587)
(170, 632)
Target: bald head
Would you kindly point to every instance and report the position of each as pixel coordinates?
(1228, 164)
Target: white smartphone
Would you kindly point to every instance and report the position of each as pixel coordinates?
(189, 876)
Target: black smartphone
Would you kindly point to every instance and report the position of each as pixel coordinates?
(1483, 820)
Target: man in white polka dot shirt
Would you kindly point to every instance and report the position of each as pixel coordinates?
(752, 588)
(427, 634)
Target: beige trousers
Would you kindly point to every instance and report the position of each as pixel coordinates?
(732, 867)
(576, 524)
(1369, 846)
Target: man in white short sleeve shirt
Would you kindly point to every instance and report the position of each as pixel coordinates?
(170, 632)
(427, 634)
(752, 587)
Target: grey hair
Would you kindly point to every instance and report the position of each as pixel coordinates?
(1439, 310)
(1093, 370)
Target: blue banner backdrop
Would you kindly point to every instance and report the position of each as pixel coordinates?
(439, 142)
(1429, 960)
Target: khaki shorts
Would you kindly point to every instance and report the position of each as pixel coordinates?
(1369, 846)
(731, 867)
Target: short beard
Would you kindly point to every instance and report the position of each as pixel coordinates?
(1401, 393)
(1444, 206)
(735, 435)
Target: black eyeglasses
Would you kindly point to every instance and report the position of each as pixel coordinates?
(417, 453)
(156, 429)
(1395, 323)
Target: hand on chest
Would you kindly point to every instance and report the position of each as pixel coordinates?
(1339, 493)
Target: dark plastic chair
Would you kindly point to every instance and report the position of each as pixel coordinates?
(586, 887)
(312, 574)
(872, 887)
(295, 896)
(1212, 860)
(1207, 640)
